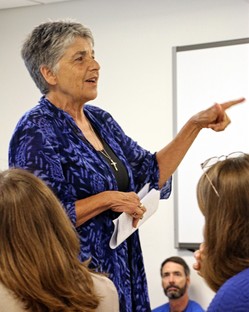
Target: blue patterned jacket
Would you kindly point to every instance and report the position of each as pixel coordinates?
(48, 143)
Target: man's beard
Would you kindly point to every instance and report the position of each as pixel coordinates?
(175, 294)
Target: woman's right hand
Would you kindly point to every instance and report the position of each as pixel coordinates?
(128, 202)
(91, 206)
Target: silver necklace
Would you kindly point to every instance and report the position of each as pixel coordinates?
(112, 162)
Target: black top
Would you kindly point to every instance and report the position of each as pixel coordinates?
(120, 175)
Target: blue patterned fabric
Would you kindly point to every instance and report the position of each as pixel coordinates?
(191, 307)
(48, 143)
(233, 295)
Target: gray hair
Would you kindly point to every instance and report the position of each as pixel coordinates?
(46, 45)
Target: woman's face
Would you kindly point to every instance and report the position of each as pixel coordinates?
(76, 77)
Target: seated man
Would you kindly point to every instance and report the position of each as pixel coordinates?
(175, 275)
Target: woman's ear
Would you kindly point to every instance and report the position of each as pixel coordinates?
(48, 75)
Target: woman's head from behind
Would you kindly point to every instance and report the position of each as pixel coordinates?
(31, 216)
(223, 198)
(46, 45)
(38, 245)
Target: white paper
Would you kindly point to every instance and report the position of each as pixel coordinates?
(123, 224)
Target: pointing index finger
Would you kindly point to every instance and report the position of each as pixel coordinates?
(227, 105)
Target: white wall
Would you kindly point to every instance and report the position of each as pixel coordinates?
(133, 45)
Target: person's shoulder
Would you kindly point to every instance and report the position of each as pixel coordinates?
(96, 111)
(99, 116)
(40, 109)
(93, 108)
(228, 298)
(32, 112)
(240, 280)
(161, 308)
(8, 302)
(102, 281)
(107, 291)
(194, 306)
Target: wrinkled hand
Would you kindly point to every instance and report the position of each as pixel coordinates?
(199, 256)
(129, 203)
(215, 117)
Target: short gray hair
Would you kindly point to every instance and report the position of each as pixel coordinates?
(46, 44)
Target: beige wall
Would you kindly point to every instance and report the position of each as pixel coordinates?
(134, 41)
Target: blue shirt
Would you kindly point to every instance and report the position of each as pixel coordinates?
(48, 143)
(191, 307)
(233, 295)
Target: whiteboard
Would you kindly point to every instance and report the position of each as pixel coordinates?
(203, 75)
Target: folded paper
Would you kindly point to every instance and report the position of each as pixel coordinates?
(123, 224)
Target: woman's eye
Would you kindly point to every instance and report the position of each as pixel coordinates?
(80, 58)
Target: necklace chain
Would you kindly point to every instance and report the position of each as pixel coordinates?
(97, 142)
(104, 152)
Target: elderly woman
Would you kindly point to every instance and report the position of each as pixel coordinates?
(83, 154)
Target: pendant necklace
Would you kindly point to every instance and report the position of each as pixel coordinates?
(103, 151)
(112, 162)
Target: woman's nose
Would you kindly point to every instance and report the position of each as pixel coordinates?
(94, 64)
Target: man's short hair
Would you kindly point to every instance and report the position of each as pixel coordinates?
(177, 260)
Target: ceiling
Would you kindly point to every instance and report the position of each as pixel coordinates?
(9, 4)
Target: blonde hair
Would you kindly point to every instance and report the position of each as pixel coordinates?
(226, 231)
(39, 248)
